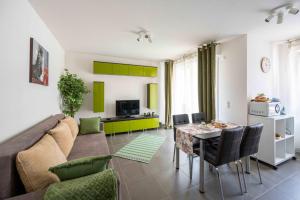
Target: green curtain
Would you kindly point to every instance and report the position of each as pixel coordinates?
(206, 80)
(168, 92)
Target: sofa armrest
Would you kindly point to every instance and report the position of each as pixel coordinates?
(37, 195)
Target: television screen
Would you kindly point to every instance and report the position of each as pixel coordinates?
(127, 107)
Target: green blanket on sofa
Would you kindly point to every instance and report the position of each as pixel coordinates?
(100, 186)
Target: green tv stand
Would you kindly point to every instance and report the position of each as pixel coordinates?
(123, 125)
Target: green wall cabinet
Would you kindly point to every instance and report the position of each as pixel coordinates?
(150, 71)
(123, 69)
(152, 95)
(136, 71)
(130, 125)
(101, 68)
(98, 94)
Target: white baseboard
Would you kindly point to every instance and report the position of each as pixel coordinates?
(297, 150)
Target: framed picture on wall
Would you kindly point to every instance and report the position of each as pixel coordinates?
(39, 63)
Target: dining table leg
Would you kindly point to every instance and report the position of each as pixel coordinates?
(201, 177)
(177, 157)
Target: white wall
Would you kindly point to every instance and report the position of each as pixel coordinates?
(233, 80)
(23, 104)
(116, 87)
(257, 81)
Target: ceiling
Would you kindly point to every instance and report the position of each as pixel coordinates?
(177, 26)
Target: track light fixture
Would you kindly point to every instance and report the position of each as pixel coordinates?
(280, 18)
(144, 35)
(280, 11)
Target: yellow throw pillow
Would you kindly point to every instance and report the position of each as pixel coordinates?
(63, 137)
(72, 125)
(33, 164)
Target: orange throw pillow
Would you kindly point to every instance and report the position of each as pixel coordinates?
(63, 137)
(72, 125)
(33, 164)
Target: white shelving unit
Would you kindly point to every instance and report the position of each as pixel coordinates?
(271, 150)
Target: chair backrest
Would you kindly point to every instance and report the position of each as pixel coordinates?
(229, 146)
(198, 117)
(250, 140)
(178, 120)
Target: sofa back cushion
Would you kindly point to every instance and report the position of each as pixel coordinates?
(71, 122)
(33, 164)
(10, 182)
(63, 137)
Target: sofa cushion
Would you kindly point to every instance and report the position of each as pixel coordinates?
(39, 194)
(89, 145)
(63, 137)
(71, 122)
(89, 125)
(101, 186)
(81, 167)
(33, 164)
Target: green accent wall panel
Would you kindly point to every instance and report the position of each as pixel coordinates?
(98, 94)
(123, 69)
(152, 95)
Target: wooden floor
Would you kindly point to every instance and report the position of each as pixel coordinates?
(159, 180)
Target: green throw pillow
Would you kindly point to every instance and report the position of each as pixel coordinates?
(100, 186)
(89, 125)
(81, 167)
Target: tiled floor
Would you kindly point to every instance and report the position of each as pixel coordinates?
(159, 180)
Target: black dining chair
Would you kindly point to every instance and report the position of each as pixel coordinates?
(182, 119)
(249, 146)
(197, 118)
(227, 151)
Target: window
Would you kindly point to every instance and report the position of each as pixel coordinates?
(185, 85)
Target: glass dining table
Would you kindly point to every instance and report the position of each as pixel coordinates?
(184, 141)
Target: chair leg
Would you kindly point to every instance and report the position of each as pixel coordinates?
(191, 159)
(210, 167)
(174, 152)
(220, 183)
(258, 169)
(238, 173)
(243, 173)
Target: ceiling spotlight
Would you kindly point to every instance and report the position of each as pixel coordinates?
(293, 11)
(269, 18)
(280, 11)
(280, 18)
(139, 38)
(144, 35)
(148, 37)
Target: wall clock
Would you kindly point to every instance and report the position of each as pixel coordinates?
(265, 64)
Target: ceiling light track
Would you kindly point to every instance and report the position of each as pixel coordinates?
(280, 11)
(144, 35)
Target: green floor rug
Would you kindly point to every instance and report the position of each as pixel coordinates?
(142, 148)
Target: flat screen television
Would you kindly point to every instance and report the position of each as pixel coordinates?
(127, 107)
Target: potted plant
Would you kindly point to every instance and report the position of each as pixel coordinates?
(72, 90)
